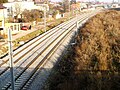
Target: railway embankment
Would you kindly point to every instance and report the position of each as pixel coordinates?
(94, 62)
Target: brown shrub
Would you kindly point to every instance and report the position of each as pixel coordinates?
(98, 37)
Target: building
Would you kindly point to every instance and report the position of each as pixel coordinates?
(73, 1)
(115, 5)
(83, 5)
(15, 8)
(20, 0)
(42, 7)
(41, 1)
(2, 17)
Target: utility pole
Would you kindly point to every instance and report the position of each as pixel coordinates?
(113, 1)
(11, 59)
(77, 24)
(45, 19)
(69, 9)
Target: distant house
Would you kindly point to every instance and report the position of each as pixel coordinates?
(41, 1)
(58, 16)
(115, 5)
(2, 17)
(14, 8)
(19, 0)
(83, 5)
(42, 7)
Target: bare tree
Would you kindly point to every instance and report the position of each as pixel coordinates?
(33, 15)
(18, 9)
(66, 4)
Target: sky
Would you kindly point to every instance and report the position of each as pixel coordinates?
(89, 0)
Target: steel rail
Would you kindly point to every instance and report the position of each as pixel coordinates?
(19, 75)
(33, 41)
(23, 54)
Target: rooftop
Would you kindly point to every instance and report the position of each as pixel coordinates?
(1, 6)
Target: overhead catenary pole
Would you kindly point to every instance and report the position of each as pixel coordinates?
(44, 19)
(11, 59)
(77, 26)
(69, 9)
(77, 22)
(113, 1)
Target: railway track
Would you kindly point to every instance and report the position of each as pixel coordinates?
(29, 47)
(31, 56)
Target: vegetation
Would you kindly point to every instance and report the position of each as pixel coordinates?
(3, 1)
(94, 62)
(66, 4)
(33, 15)
(18, 9)
(55, 10)
(26, 15)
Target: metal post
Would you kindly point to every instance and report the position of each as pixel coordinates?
(77, 26)
(3, 22)
(69, 10)
(77, 23)
(113, 1)
(11, 58)
(45, 19)
(76, 19)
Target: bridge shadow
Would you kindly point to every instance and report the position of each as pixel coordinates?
(118, 9)
(86, 80)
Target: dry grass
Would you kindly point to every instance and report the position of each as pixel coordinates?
(94, 63)
(99, 43)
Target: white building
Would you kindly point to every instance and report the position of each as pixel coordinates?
(14, 8)
(2, 18)
(19, 0)
(42, 7)
(83, 5)
(115, 6)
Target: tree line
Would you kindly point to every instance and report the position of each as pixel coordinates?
(3, 1)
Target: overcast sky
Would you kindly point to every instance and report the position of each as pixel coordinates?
(90, 0)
